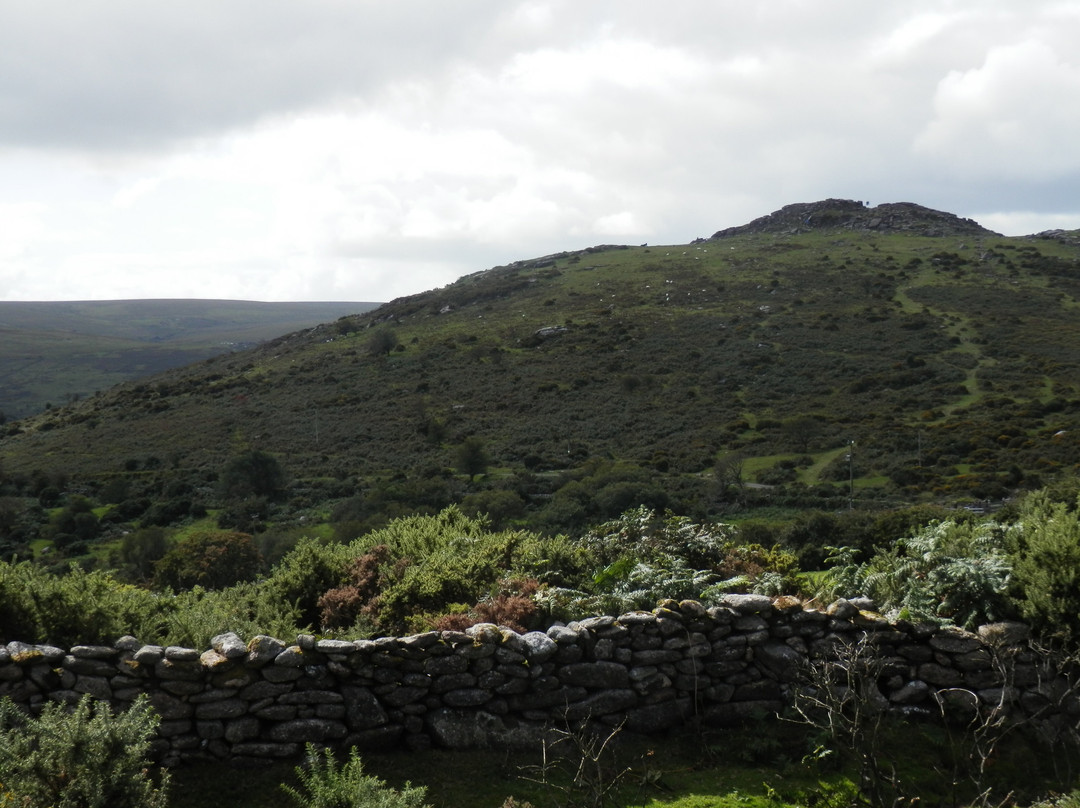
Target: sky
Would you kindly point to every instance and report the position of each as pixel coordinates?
(362, 150)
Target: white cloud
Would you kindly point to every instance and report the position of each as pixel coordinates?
(1023, 223)
(1011, 116)
(22, 225)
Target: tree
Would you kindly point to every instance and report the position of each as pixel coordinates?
(382, 342)
(728, 473)
(472, 457)
(801, 430)
(82, 758)
(213, 559)
(252, 474)
(76, 520)
(141, 549)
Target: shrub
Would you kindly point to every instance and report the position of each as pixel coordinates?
(471, 458)
(513, 606)
(948, 572)
(141, 549)
(83, 758)
(1047, 566)
(499, 505)
(252, 474)
(210, 558)
(382, 342)
(641, 558)
(367, 577)
(78, 608)
(166, 512)
(305, 573)
(248, 515)
(196, 616)
(462, 570)
(324, 784)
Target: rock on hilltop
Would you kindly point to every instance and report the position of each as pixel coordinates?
(847, 214)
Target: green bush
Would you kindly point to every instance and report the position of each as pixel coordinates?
(324, 784)
(87, 757)
(194, 617)
(430, 562)
(306, 572)
(210, 558)
(252, 474)
(1047, 566)
(78, 608)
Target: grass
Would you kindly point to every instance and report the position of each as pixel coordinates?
(666, 773)
(763, 766)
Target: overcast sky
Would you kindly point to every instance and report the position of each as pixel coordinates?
(363, 150)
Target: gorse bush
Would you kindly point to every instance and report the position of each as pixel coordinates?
(1047, 566)
(85, 757)
(325, 784)
(417, 568)
(305, 573)
(76, 608)
(80, 608)
(194, 617)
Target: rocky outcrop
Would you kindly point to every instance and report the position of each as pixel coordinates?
(652, 671)
(847, 214)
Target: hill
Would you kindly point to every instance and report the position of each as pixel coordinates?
(52, 352)
(829, 354)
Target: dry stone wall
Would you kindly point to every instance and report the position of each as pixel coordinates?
(653, 671)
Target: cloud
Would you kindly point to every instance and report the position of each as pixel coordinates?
(124, 74)
(364, 150)
(1012, 116)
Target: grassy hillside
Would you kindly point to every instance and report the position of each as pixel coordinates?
(828, 355)
(53, 352)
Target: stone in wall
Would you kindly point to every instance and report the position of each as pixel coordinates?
(650, 671)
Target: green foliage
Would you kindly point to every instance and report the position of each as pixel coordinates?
(642, 558)
(141, 549)
(306, 572)
(471, 457)
(1070, 800)
(76, 608)
(324, 784)
(949, 572)
(498, 505)
(194, 617)
(426, 563)
(252, 474)
(86, 757)
(417, 537)
(80, 608)
(1047, 566)
(382, 342)
(213, 559)
(74, 522)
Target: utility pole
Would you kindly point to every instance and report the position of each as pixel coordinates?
(851, 475)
